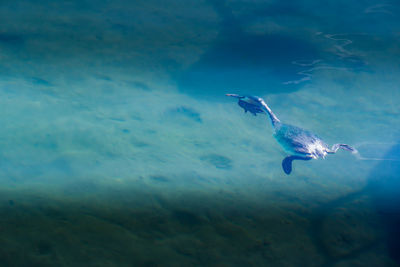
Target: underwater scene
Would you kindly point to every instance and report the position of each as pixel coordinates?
(120, 147)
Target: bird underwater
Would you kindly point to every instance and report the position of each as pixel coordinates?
(299, 143)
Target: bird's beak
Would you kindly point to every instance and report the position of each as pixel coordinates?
(233, 95)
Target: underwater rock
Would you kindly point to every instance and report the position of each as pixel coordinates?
(349, 230)
(184, 113)
(139, 143)
(219, 161)
(159, 178)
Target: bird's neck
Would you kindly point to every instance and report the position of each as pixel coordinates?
(274, 120)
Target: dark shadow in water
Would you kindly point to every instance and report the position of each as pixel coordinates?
(11, 39)
(40, 82)
(384, 184)
(183, 114)
(384, 187)
(242, 62)
(186, 217)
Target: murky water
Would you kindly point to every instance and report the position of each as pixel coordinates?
(118, 146)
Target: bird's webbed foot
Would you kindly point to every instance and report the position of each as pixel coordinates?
(335, 148)
(287, 163)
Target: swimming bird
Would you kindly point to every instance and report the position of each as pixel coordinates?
(248, 103)
(298, 143)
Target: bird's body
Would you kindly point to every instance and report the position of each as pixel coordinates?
(300, 144)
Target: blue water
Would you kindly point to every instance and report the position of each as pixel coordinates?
(118, 146)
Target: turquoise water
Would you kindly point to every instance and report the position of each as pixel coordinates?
(118, 146)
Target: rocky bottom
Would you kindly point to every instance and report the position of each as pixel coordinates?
(134, 228)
